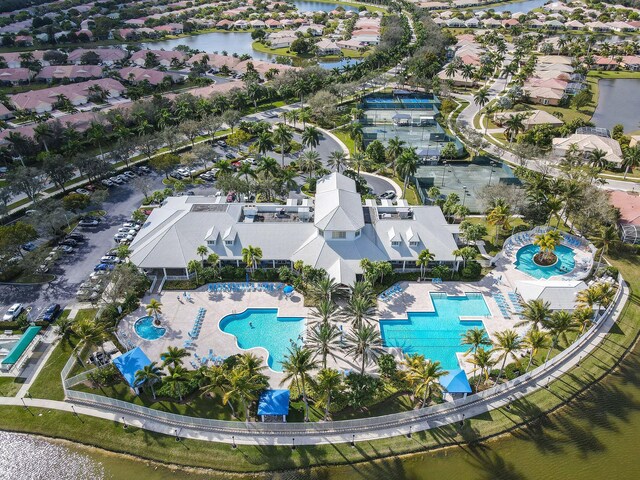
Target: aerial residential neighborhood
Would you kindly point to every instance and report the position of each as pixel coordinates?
(319, 239)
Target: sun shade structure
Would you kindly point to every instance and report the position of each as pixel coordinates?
(19, 348)
(456, 382)
(274, 403)
(130, 362)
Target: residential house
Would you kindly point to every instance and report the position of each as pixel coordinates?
(587, 143)
(166, 58)
(534, 118)
(327, 47)
(74, 73)
(108, 56)
(15, 76)
(154, 77)
(545, 95)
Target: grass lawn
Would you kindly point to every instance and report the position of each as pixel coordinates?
(346, 139)
(9, 386)
(48, 384)
(490, 243)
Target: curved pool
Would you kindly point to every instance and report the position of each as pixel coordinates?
(261, 327)
(565, 264)
(146, 330)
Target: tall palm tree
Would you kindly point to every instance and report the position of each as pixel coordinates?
(534, 313)
(202, 251)
(598, 159)
(310, 162)
(245, 387)
(423, 377)
(282, 135)
(483, 360)
(324, 340)
(89, 333)
(173, 356)
(509, 344)
(216, 382)
(583, 317)
(337, 160)
(500, 217)
(311, 137)
(264, 143)
(251, 363)
(324, 310)
(176, 379)
(559, 324)
(407, 165)
(481, 97)
(154, 307)
(246, 170)
(358, 161)
(630, 159)
(327, 385)
(269, 167)
(475, 337)
(423, 260)
(535, 340)
(251, 256)
(514, 125)
(324, 289)
(395, 147)
(148, 376)
(356, 133)
(297, 366)
(364, 342)
(363, 290)
(359, 310)
(607, 238)
(194, 266)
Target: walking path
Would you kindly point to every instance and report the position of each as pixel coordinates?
(352, 430)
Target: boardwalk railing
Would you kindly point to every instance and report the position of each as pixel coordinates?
(524, 383)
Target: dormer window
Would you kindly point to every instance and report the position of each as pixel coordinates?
(395, 243)
(228, 242)
(211, 243)
(414, 243)
(338, 235)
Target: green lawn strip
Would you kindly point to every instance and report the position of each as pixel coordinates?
(9, 386)
(346, 139)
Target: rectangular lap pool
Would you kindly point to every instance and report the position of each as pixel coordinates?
(436, 335)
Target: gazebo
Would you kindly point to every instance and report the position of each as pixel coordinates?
(456, 382)
(274, 403)
(129, 363)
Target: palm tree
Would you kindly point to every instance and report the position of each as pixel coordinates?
(407, 166)
(213, 259)
(216, 379)
(358, 161)
(245, 387)
(311, 137)
(323, 340)
(247, 170)
(395, 147)
(269, 167)
(364, 342)
(310, 162)
(194, 266)
(88, 332)
(499, 216)
(559, 324)
(282, 136)
(423, 377)
(583, 317)
(173, 356)
(509, 344)
(423, 260)
(534, 313)
(324, 310)
(264, 143)
(356, 134)
(598, 159)
(251, 363)
(202, 251)
(481, 97)
(176, 379)
(154, 307)
(324, 289)
(327, 385)
(535, 340)
(631, 159)
(359, 309)
(607, 238)
(251, 256)
(475, 337)
(42, 133)
(514, 125)
(148, 376)
(297, 366)
(482, 359)
(337, 160)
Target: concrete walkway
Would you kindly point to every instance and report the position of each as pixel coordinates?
(365, 429)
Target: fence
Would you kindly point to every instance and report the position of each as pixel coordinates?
(527, 382)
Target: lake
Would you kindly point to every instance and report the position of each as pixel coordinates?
(303, 6)
(595, 437)
(517, 7)
(618, 102)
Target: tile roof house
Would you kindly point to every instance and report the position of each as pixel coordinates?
(327, 47)
(108, 56)
(164, 57)
(72, 72)
(534, 117)
(41, 101)
(13, 60)
(587, 143)
(334, 231)
(154, 77)
(545, 95)
(15, 76)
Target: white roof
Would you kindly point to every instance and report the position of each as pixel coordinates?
(338, 205)
(560, 294)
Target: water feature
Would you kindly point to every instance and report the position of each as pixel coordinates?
(262, 327)
(146, 330)
(618, 102)
(525, 262)
(310, 6)
(436, 335)
(517, 7)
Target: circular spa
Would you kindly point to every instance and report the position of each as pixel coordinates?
(527, 262)
(146, 330)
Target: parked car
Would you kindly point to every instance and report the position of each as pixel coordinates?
(190, 192)
(66, 248)
(106, 182)
(230, 155)
(51, 312)
(175, 175)
(29, 246)
(388, 195)
(221, 143)
(130, 174)
(44, 268)
(90, 187)
(14, 311)
(83, 191)
(131, 225)
(103, 266)
(78, 237)
(144, 168)
(206, 176)
(69, 242)
(124, 178)
(88, 222)
(110, 259)
(116, 180)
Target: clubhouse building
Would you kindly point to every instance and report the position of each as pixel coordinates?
(334, 231)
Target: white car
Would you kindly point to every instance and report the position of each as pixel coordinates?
(109, 259)
(14, 311)
(131, 225)
(83, 191)
(130, 174)
(107, 183)
(119, 236)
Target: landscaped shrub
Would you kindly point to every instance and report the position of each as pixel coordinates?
(179, 285)
(237, 274)
(265, 275)
(184, 389)
(362, 389)
(471, 271)
(106, 376)
(387, 366)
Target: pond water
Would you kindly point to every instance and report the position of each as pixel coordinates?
(303, 6)
(618, 102)
(517, 7)
(230, 42)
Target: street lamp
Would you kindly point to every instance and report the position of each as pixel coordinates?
(492, 170)
(444, 169)
(464, 195)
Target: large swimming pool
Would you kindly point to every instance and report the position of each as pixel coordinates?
(524, 262)
(437, 335)
(261, 327)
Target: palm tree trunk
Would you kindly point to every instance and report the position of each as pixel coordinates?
(326, 409)
(553, 345)
(153, 391)
(306, 401)
(424, 398)
(504, 361)
(362, 368)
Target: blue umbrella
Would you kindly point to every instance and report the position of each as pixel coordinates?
(288, 290)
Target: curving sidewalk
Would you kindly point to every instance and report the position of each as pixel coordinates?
(254, 433)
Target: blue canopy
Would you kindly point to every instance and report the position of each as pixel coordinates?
(288, 289)
(129, 363)
(274, 402)
(455, 382)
